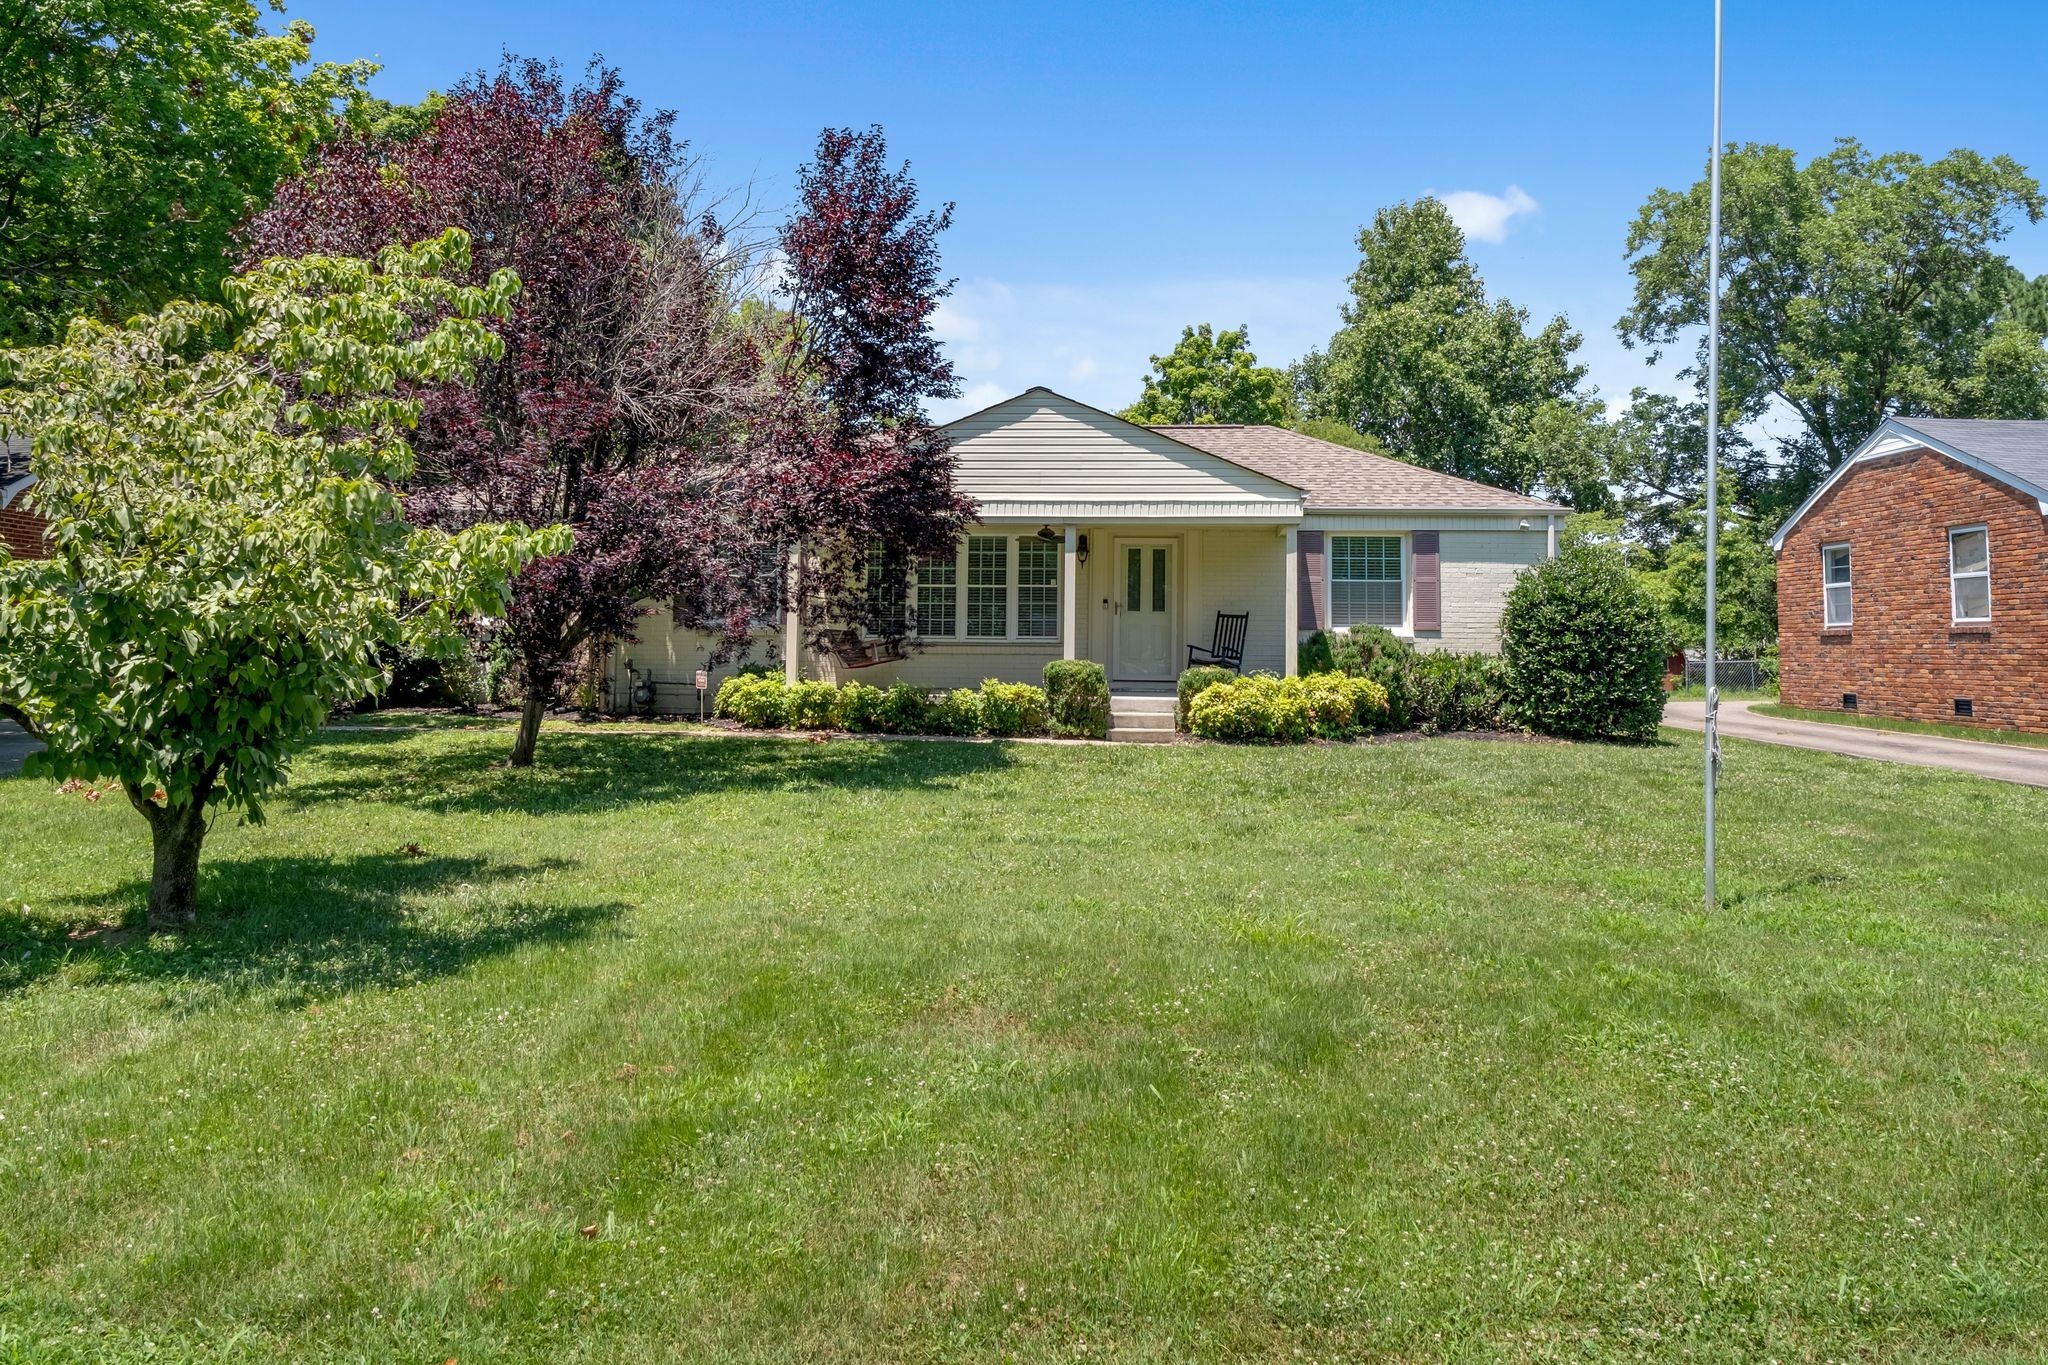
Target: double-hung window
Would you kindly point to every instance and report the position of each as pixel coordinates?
(992, 587)
(1969, 573)
(1038, 589)
(988, 587)
(1366, 586)
(1837, 608)
(938, 601)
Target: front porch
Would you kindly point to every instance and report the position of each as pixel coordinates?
(1130, 595)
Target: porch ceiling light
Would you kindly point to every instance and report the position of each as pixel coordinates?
(1047, 533)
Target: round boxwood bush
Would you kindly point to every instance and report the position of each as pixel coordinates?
(1584, 648)
(1077, 695)
(1011, 709)
(1192, 684)
(812, 705)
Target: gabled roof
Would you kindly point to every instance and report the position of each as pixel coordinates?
(1339, 478)
(2015, 453)
(1041, 455)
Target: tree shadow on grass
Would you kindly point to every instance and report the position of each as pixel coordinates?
(595, 772)
(295, 928)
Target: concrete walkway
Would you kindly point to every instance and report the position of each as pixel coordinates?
(2001, 762)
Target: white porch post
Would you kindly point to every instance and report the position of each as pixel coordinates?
(1290, 629)
(793, 620)
(1551, 527)
(1069, 593)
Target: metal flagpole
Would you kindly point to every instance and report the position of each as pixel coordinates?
(1713, 437)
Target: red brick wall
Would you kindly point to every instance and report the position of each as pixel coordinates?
(22, 531)
(1901, 654)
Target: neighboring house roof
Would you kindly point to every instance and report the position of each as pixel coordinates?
(1340, 479)
(2014, 453)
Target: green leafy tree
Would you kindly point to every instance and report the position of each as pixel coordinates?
(1656, 469)
(133, 138)
(1856, 287)
(1445, 378)
(1336, 433)
(227, 554)
(1212, 377)
(1746, 585)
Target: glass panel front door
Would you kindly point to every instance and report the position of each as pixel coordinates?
(1145, 626)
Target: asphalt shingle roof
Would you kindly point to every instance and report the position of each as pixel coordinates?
(1334, 477)
(2020, 448)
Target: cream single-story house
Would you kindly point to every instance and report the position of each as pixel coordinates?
(1099, 539)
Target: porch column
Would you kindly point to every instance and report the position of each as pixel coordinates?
(1550, 527)
(1291, 613)
(793, 620)
(1069, 593)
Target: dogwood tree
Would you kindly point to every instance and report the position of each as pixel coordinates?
(226, 550)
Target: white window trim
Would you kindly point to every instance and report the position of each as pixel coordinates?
(1984, 574)
(1011, 584)
(1406, 629)
(1828, 622)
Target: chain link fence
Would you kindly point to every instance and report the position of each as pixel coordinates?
(1733, 675)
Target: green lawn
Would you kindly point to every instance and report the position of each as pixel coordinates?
(728, 1049)
(1911, 727)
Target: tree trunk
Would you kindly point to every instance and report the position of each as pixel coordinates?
(174, 877)
(530, 715)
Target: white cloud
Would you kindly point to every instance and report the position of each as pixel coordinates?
(1095, 342)
(1484, 216)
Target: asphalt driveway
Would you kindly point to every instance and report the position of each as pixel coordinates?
(2001, 762)
(15, 745)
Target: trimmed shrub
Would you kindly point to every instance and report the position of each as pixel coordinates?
(955, 713)
(1077, 698)
(1377, 653)
(1327, 705)
(1192, 684)
(758, 701)
(904, 709)
(811, 706)
(1010, 709)
(1457, 692)
(1316, 654)
(858, 707)
(1584, 647)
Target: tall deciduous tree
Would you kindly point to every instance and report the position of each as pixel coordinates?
(133, 138)
(1857, 287)
(690, 442)
(875, 487)
(1446, 378)
(1213, 377)
(226, 552)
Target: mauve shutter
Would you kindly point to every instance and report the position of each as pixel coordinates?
(1429, 609)
(1308, 556)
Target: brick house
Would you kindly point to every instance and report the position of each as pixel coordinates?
(21, 530)
(1914, 582)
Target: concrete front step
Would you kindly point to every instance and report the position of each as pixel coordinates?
(1135, 705)
(1141, 720)
(1120, 734)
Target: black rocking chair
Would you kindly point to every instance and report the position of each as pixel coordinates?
(1226, 643)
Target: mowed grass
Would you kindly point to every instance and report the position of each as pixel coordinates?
(726, 1049)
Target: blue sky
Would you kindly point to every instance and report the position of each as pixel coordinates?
(1121, 170)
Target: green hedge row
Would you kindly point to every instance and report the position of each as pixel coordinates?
(1263, 708)
(765, 702)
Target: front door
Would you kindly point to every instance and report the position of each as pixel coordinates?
(1144, 611)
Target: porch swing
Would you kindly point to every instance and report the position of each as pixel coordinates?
(847, 646)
